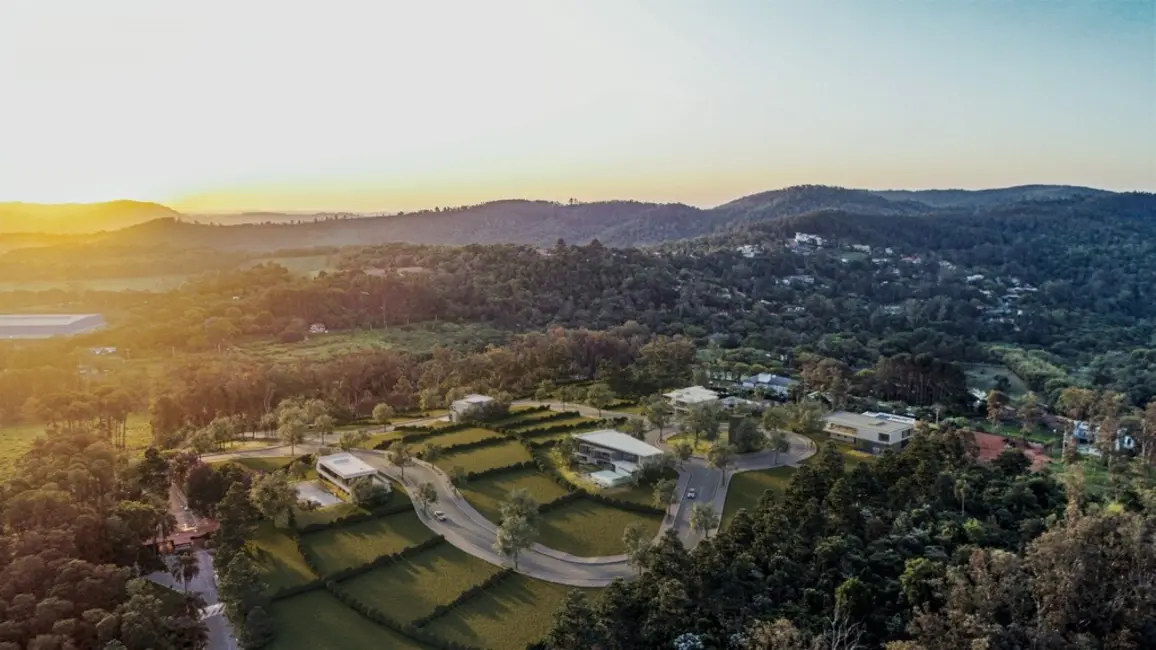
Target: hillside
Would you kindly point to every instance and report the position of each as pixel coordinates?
(71, 218)
(989, 198)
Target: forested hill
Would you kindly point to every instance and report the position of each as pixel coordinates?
(542, 223)
(78, 218)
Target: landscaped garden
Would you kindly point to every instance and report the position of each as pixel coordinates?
(487, 494)
(456, 438)
(318, 621)
(587, 528)
(480, 459)
(747, 488)
(278, 559)
(344, 547)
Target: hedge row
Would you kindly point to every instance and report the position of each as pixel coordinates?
(287, 592)
(556, 428)
(569, 497)
(514, 417)
(462, 446)
(381, 618)
(514, 423)
(526, 464)
(409, 551)
(358, 517)
(442, 610)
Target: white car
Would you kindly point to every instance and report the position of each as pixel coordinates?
(439, 515)
(691, 493)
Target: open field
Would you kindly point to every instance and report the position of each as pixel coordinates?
(487, 494)
(278, 559)
(420, 337)
(483, 458)
(486, 619)
(530, 424)
(17, 439)
(413, 587)
(356, 544)
(456, 438)
(983, 376)
(586, 528)
(748, 487)
(325, 515)
(318, 621)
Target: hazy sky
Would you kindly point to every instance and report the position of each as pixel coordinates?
(295, 104)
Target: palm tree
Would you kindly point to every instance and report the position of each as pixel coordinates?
(185, 568)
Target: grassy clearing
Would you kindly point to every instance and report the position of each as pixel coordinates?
(356, 544)
(526, 417)
(586, 528)
(485, 620)
(325, 515)
(488, 493)
(378, 438)
(702, 446)
(413, 587)
(748, 487)
(17, 439)
(411, 338)
(263, 463)
(483, 458)
(457, 438)
(278, 559)
(983, 376)
(318, 621)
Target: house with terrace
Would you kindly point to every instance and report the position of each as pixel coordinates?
(343, 469)
(620, 456)
(470, 407)
(868, 431)
(684, 399)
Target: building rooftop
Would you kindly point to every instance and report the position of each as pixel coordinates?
(770, 379)
(619, 441)
(878, 422)
(692, 395)
(475, 399)
(346, 465)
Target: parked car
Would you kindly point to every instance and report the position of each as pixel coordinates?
(439, 515)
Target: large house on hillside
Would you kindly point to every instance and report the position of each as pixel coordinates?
(344, 468)
(868, 431)
(469, 407)
(687, 398)
(618, 454)
(770, 383)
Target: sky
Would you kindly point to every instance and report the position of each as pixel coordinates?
(381, 105)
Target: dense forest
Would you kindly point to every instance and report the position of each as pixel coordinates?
(922, 550)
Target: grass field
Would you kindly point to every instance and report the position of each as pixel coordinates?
(530, 424)
(414, 586)
(525, 417)
(456, 438)
(349, 546)
(983, 376)
(325, 515)
(587, 529)
(747, 488)
(17, 439)
(488, 493)
(264, 463)
(277, 557)
(318, 621)
(485, 620)
(419, 337)
(483, 458)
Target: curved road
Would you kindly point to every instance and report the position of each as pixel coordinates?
(470, 531)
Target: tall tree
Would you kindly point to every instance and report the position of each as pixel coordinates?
(425, 495)
(703, 518)
(402, 456)
(291, 427)
(636, 540)
(1029, 412)
(185, 567)
(274, 497)
(599, 396)
(663, 494)
(658, 412)
(514, 535)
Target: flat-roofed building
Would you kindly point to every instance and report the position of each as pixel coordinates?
(869, 431)
(344, 468)
(687, 398)
(618, 454)
(469, 407)
(44, 326)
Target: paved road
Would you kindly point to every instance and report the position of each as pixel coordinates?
(468, 530)
(220, 631)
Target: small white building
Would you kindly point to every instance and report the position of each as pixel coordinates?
(770, 383)
(341, 470)
(685, 398)
(805, 238)
(468, 407)
(318, 328)
(618, 454)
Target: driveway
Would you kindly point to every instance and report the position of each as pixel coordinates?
(220, 631)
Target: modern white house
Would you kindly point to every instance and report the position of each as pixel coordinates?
(341, 470)
(870, 431)
(687, 398)
(469, 406)
(618, 454)
(771, 383)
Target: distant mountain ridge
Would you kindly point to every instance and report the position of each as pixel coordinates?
(539, 223)
(62, 218)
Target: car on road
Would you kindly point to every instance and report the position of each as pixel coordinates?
(439, 515)
(691, 493)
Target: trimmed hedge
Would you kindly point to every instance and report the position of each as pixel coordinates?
(353, 572)
(461, 446)
(357, 517)
(559, 428)
(526, 464)
(442, 610)
(569, 497)
(381, 618)
(513, 423)
(517, 416)
(288, 592)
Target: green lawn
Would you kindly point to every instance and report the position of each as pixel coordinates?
(318, 621)
(417, 338)
(413, 587)
(264, 463)
(277, 557)
(16, 440)
(457, 438)
(349, 546)
(587, 529)
(325, 515)
(483, 458)
(577, 419)
(485, 620)
(747, 488)
(487, 494)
